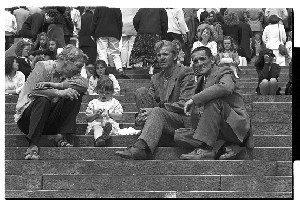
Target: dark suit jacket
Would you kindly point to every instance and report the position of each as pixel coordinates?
(24, 66)
(32, 26)
(107, 22)
(84, 35)
(221, 84)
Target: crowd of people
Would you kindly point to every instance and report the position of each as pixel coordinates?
(54, 55)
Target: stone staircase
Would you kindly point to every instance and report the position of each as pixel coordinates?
(88, 172)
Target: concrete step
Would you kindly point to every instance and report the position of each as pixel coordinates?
(148, 167)
(276, 128)
(19, 140)
(79, 194)
(256, 116)
(161, 153)
(129, 98)
(152, 183)
(131, 107)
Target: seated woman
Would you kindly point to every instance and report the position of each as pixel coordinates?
(41, 42)
(227, 55)
(22, 51)
(206, 37)
(268, 72)
(14, 79)
(97, 73)
(52, 111)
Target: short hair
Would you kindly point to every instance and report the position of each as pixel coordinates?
(20, 46)
(9, 63)
(105, 83)
(203, 48)
(165, 43)
(73, 55)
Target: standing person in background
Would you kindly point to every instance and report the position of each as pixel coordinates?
(107, 31)
(76, 18)
(245, 37)
(273, 35)
(32, 26)
(21, 15)
(55, 27)
(177, 27)
(192, 22)
(231, 27)
(86, 43)
(217, 22)
(68, 25)
(10, 28)
(281, 13)
(128, 35)
(151, 25)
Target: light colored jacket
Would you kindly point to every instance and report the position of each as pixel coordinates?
(176, 22)
(270, 36)
(10, 23)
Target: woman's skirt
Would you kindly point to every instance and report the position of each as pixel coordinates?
(143, 49)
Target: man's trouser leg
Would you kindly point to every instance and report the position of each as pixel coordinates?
(160, 122)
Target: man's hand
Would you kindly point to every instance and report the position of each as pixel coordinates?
(69, 93)
(188, 106)
(42, 85)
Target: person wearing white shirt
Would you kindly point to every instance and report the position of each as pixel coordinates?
(206, 37)
(10, 28)
(14, 79)
(177, 27)
(273, 35)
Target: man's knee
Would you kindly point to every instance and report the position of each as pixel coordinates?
(43, 101)
(213, 104)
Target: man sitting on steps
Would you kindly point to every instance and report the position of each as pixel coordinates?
(224, 127)
(161, 106)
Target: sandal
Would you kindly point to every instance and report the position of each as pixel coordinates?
(63, 143)
(32, 155)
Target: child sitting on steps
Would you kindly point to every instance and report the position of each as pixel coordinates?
(227, 55)
(102, 113)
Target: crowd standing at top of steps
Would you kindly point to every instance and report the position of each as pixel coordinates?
(125, 38)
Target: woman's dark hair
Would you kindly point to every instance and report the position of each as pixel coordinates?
(105, 83)
(274, 19)
(260, 62)
(20, 46)
(9, 63)
(219, 18)
(221, 45)
(103, 63)
(56, 16)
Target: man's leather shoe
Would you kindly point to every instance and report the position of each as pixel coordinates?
(199, 154)
(133, 153)
(231, 152)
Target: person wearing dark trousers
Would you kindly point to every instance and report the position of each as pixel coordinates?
(43, 110)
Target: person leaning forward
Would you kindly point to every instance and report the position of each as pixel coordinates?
(224, 127)
(161, 106)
